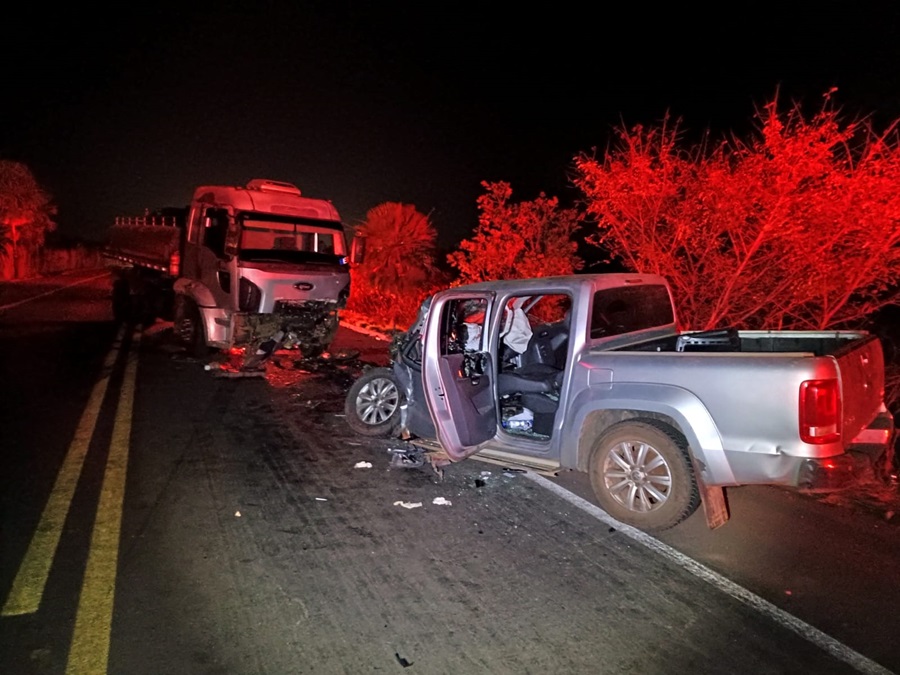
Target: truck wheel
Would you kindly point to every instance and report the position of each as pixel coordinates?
(121, 301)
(372, 406)
(641, 474)
(188, 327)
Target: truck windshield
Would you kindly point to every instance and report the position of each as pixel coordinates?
(290, 240)
(630, 308)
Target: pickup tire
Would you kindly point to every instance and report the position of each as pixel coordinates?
(188, 327)
(641, 474)
(372, 406)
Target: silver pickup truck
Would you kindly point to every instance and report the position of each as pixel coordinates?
(589, 372)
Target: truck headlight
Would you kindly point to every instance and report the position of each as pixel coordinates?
(249, 296)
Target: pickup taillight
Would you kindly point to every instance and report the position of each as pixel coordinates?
(820, 411)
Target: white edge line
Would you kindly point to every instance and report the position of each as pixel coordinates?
(804, 630)
(51, 292)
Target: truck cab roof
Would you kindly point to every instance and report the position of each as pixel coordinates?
(266, 196)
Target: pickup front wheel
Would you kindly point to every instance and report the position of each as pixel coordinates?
(641, 475)
(372, 406)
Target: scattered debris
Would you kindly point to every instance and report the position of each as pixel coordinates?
(440, 501)
(347, 355)
(363, 465)
(237, 514)
(408, 505)
(321, 499)
(240, 373)
(225, 369)
(402, 661)
(406, 459)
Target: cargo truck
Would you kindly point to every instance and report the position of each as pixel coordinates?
(250, 268)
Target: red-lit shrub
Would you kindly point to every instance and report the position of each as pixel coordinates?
(26, 213)
(399, 269)
(518, 240)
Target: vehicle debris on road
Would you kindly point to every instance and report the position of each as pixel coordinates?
(408, 505)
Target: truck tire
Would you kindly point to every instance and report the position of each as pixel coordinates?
(121, 301)
(188, 327)
(642, 476)
(372, 406)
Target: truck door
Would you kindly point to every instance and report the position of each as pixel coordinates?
(458, 371)
(214, 269)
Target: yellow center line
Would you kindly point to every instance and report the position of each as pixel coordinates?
(89, 651)
(28, 587)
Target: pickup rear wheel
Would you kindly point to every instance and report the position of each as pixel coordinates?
(372, 406)
(641, 474)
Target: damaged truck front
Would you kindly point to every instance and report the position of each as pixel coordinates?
(256, 267)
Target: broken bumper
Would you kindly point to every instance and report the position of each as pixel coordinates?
(870, 456)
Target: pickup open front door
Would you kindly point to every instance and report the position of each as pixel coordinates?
(458, 372)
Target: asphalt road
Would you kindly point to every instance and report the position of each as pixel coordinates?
(222, 525)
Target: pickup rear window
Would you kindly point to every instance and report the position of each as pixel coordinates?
(630, 308)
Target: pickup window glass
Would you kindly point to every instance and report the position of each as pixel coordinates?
(630, 308)
(463, 323)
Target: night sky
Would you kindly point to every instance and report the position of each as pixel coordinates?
(115, 112)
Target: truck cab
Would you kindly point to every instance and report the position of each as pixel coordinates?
(261, 262)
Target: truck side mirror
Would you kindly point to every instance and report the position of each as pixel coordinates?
(358, 250)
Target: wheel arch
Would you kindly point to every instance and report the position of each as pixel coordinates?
(673, 407)
(197, 292)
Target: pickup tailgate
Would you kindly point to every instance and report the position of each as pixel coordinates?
(861, 365)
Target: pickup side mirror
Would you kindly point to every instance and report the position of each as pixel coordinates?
(357, 250)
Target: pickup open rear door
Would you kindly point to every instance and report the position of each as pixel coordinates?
(458, 371)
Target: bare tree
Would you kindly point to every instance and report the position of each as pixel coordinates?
(799, 227)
